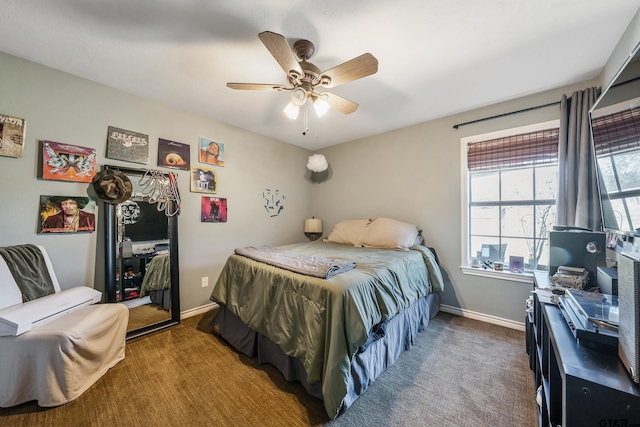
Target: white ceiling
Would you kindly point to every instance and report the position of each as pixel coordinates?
(436, 58)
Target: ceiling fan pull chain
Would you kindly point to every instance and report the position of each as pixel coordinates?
(306, 124)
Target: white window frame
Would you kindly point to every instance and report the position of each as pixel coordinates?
(526, 277)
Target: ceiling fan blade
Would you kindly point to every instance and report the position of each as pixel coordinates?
(339, 103)
(255, 86)
(279, 48)
(356, 68)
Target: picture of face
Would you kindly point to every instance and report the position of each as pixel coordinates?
(211, 152)
(66, 214)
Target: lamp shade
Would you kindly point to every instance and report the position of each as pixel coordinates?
(313, 225)
(317, 163)
(291, 111)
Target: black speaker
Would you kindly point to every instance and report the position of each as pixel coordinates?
(577, 248)
(629, 316)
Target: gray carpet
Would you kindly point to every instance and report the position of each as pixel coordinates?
(461, 372)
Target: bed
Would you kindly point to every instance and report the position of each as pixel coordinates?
(335, 335)
(157, 281)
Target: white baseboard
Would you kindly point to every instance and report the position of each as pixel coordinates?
(198, 310)
(511, 324)
(445, 308)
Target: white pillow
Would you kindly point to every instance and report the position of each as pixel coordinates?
(389, 233)
(350, 232)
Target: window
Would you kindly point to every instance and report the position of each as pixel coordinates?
(511, 184)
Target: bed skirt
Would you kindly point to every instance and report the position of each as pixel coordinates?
(162, 298)
(369, 362)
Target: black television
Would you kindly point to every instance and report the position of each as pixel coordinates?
(143, 222)
(615, 129)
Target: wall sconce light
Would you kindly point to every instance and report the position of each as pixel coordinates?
(313, 228)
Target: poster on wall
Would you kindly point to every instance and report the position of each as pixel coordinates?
(211, 152)
(173, 154)
(127, 145)
(214, 209)
(203, 180)
(66, 162)
(66, 214)
(12, 135)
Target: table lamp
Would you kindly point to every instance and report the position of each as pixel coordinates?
(313, 228)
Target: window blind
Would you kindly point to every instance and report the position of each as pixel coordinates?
(526, 149)
(616, 132)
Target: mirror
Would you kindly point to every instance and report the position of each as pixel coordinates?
(615, 127)
(141, 253)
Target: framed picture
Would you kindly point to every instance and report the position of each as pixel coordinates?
(66, 214)
(203, 180)
(127, 145)
(12, 135)
(173, 154)
(66, 162)
(516, 264)
(214, 209)
(211, 152)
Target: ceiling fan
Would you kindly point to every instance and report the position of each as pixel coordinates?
(307, 80)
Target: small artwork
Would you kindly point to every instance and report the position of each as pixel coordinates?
(66, 214)
(12, 135)
(173, 154)
(211, 152)
(203, 180)
(127, 145)
(66, 162)
(273, 202)
(516, 264)
(214, 209)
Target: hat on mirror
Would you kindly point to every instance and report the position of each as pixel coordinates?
(112, 186)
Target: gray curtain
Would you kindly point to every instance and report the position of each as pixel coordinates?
(578, 202)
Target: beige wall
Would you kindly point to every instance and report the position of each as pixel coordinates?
(620, 54)
(63, 108)
(414, 175)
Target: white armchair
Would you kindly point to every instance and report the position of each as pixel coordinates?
(59, 356)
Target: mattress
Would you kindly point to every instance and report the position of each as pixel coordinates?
(323, 323)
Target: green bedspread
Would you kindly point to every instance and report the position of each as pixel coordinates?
(323, 322)
(158, 275)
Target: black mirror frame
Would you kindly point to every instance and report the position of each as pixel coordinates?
(111, 249)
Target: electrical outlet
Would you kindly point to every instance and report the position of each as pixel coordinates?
(205, 282)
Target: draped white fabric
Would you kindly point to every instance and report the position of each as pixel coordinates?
(578, 201)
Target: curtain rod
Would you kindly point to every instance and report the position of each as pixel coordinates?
(506, 114)
(535, 108)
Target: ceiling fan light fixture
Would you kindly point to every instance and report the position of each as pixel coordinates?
(304, 77)
(298, 96)
(321, 106)
(291, 110)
